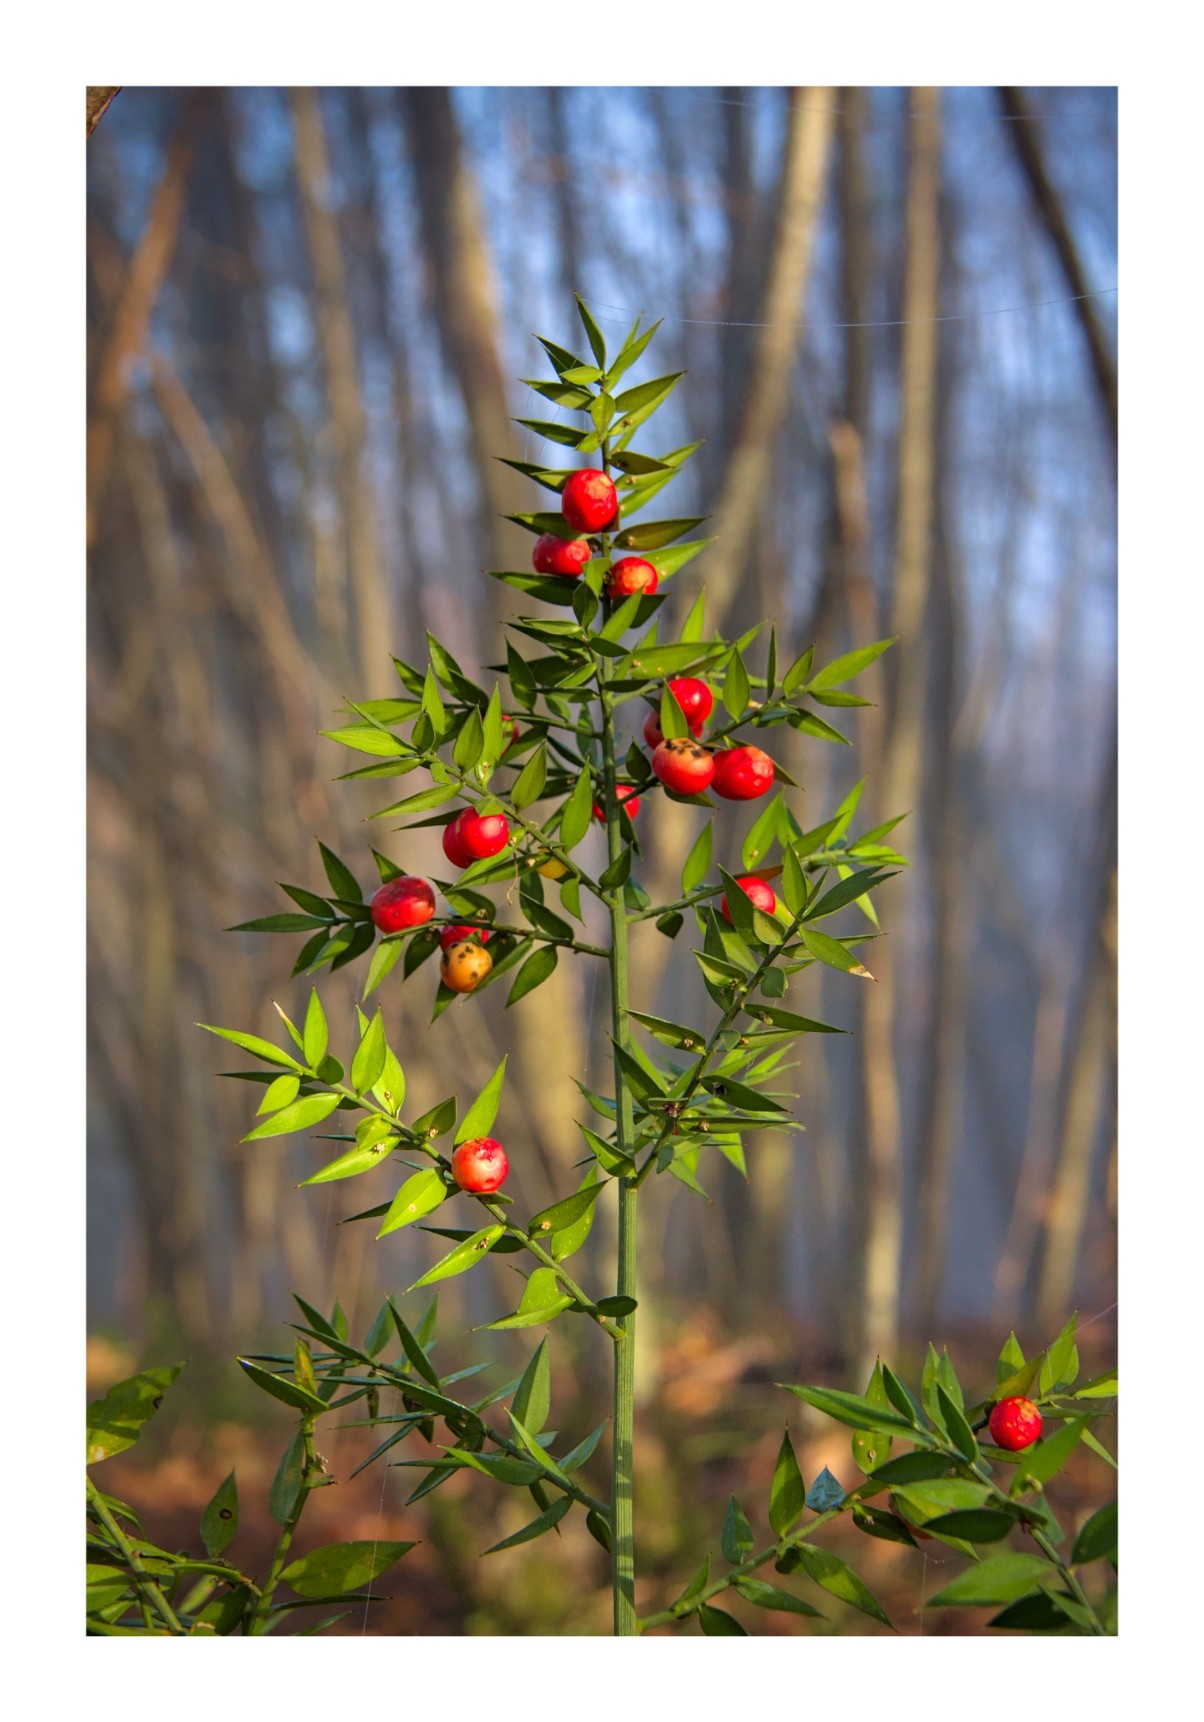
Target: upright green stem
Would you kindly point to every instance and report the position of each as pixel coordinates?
(258, 1620)
(622, 1516)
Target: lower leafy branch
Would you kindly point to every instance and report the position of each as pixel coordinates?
(943, 1488)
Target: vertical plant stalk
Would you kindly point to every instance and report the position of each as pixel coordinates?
(148, 1590)
(257, 1624)
(622, 1466)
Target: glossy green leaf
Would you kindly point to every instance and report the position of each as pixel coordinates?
(715, 1623)
(840, 1580)
(288, 1480)
(736, 1539)
(279, 1387)
(787, 1492)
(999, 1578)
(735, 687)
(1097, 1539)
(843, 669)
(279, 1094)
(546, 1521)
(219, 1521)
(479, 1119)
(538, 966)
(303, 1114)
(565, 1213)
(342, 880)
(1046, 1459)
(833, 953)
(825, 1492)
(773, 1596)
(853, 1410)
(463, 1257)
(375, 1148)
(529, 784)
(418, 1196)
(253, 1044)
(369, 1060)
(577, 812)
(115, 1422)
(533, 1396)
(340, 1567)
(1011, 1358)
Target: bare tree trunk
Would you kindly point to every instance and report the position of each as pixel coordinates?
(131, 316)
(809, 135)
(881, 1202)
(350, 431)
(465, 304)
(1023, 131)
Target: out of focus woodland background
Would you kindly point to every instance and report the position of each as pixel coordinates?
(307, 313)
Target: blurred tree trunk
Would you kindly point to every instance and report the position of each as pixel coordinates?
(1082, 1092)
(1023, 131)
(130, 317)
(776, 343)
(880, 1201)
(370, 605)
(464, 298)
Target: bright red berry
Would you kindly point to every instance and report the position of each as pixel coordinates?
(1014, 1424)
(454, 935)
(683, 766)
(742, 773)
(630, 575)
(589, 500)
(482, 834)
(402, 903)
(694, 698)
(480, 1165)
(452, 846)
(759, 894)
(553, 555)
(624, 792)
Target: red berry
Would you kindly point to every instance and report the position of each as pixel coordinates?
(625, 792)
(589, 500)
(482, 834)
(402, 903)
(453, 935)
(1014, 1424)
(629, 576)
(683, 766)
(742, 773)
(759, 894)
(694, 698)
(480, 1165)
(452, 846)
(553, 555)
(654, 735)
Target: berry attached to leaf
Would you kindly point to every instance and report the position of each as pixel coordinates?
(553, 555)
(695, 699)
(480, 1166)
(759, 894)
(464, 966)
(402, 903)
(1014, 1424)
(683, 766)
(742, 773)
(589, 500)
(630, 576)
